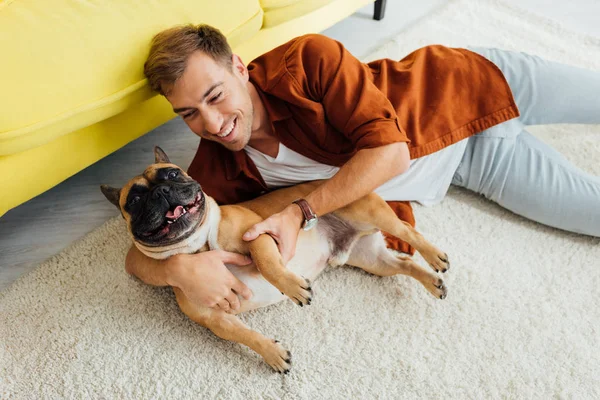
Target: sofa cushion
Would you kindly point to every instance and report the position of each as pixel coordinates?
(269, 4)
(280, 11)
(67, 64)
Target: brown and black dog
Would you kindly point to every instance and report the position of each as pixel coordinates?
(167, 213)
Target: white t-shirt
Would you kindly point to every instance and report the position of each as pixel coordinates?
(426, 181)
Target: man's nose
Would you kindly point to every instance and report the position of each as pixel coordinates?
(213, 121)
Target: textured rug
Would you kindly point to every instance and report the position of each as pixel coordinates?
(522, 318)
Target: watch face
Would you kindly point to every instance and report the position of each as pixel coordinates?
(310, 223)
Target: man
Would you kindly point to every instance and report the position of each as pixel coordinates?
(406, 129)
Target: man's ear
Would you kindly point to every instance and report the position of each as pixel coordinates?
(112, 194)
(239, 67)
(160, 156)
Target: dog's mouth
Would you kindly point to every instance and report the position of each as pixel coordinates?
(177, 218)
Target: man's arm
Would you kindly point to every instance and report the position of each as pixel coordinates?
(354, 105)
(361, 175)
(364, 172)
(327, 73)
(148, 270)
(203, 277)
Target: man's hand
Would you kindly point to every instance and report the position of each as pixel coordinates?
(283, 227)
(205, 280)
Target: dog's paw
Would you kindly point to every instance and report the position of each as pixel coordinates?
(435, 285)
(298, 289)
(438, 260)
(278, 357)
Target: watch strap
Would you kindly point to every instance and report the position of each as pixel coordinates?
(306, 210)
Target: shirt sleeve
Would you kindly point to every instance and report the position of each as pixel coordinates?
(353, 104)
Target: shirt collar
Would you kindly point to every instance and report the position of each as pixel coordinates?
(276, 108)
(234, 165)
(241, 163)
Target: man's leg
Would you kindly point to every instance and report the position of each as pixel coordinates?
(513, 168)
(548, 92)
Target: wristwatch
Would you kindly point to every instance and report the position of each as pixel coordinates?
(310, 218)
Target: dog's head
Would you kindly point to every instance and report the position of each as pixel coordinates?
(162, 206)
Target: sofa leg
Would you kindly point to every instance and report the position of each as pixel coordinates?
(379, 10)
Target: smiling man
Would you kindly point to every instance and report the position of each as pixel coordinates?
(223, 112)
(406, 129)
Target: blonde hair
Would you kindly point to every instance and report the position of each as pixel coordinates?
(171, 48)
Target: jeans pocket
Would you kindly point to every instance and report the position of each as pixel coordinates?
(508, 129)
(461, 173)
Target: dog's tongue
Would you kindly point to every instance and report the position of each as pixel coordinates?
(176, 213)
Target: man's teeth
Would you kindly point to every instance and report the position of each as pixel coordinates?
(228, 130)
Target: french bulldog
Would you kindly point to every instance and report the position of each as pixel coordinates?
(167, 213)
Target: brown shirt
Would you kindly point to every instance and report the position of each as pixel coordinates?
(326, 105)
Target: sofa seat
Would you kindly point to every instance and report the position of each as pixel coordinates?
(72, 84)
(279, 11)
(270, 4)
(84, 63)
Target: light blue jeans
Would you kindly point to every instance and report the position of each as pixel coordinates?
(510, 166)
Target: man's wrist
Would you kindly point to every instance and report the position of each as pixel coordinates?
(297, 214)
(172, 270)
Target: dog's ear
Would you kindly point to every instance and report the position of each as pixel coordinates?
(160, 156)
(112, 194)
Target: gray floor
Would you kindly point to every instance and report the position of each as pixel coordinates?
(45, 225)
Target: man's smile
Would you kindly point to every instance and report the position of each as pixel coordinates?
(228, 133)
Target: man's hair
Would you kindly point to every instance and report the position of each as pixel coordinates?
(171, 48)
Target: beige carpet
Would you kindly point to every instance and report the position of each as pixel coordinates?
(522, 319)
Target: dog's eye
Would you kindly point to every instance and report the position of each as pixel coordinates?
(134, 200)
(173, 174)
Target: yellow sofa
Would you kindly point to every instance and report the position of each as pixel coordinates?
(71, 76)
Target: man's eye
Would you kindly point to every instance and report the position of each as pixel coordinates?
(217, 97)
(173, 174)
(134, 200)
(184, 116)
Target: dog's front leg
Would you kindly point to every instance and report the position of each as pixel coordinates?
(267, 258)
(229, 327)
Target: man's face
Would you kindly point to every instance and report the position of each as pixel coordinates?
(214, 100)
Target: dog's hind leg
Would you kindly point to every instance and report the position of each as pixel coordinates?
(372, 211)
(229, 327)
(370, 254)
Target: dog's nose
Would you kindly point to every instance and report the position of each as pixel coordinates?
(160, 190)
